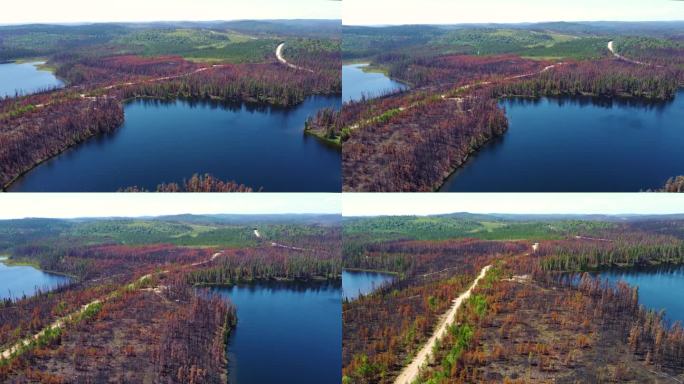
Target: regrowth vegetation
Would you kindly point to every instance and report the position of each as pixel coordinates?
(528, 320)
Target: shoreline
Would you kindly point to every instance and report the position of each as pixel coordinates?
(285, 280)
(8, 262)
(6, 187)
(398, 274)
(535, 98)
(334, 143)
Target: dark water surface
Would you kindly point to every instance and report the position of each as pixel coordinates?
(19, 280)
(355, 283)
(25, 78)
(286, 333)
(579, 145)
(357, 83)
(170, 141)
(659, 288)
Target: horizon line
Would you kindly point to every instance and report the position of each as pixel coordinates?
(74, 23)
(172, 214)
(515, 214)
(511, 22)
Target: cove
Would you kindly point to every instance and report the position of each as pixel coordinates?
(163, 142)
(356, 83)
(579, 145)
(19, 280)
(25, 78)
(356, 283)
(659, 287)
(285, 331)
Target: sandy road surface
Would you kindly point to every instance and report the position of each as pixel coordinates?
(279, 55)
(61, 322)
(410, 372)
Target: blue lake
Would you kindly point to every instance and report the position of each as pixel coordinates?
(16, 281)
(356, 83)
(163, 142)
(286, 333)
(355, 283)
(659, 288)
(25, 78)
(579, 145)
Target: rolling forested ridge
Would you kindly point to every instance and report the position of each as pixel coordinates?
(413, 140)
(106, 65)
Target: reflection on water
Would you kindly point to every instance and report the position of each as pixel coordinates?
(356, 283)
(357, 83)
(19, 280)
(168, 141)
(579, 145)
(285, 330)
(25, 78)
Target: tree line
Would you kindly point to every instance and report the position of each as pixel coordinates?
(268, 263)
(416, 148)
(604, 78)
(45, 130)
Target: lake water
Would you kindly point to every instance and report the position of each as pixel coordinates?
(25, 78)
(170, 141)
(659, 288)
(15, 281)
(355, 283)
(286, 332)
(579, 145)
(356, 83)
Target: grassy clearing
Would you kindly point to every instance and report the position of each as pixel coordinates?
(199, 44)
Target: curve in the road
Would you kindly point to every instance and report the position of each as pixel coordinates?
(279, 56)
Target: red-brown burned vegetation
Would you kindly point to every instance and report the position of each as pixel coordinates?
(416, 148)
(258, 83)
(674, 184)
(32, 130)
(382, 331)
(100, 71)
(133, 313)
(458, 70)
(604, 78)
(92, 262)
(37, 127)
(166, 335)
(528, 320)
(611, 249)
(22, 318)
(196, 183)
(269, 262)
(540, 329)
(413, 140)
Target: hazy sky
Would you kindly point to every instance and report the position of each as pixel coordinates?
(70, 11)
(372, 12)
(62, 205)
(370, 204)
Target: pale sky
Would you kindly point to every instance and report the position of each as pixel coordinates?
(75, 11)
(382, 12)
(62, 205)
(375, 204)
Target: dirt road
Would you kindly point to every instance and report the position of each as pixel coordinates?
(61, 322)
(410, 372)
(611, 48)
(279, 55)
